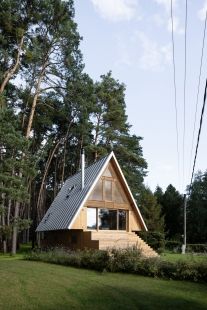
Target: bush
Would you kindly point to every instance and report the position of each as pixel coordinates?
(196, 248)
(127, 260)
(154, 239)
(91, 259)
(174, 246)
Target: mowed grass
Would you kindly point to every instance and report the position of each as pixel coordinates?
(36, 285)
(173, 257)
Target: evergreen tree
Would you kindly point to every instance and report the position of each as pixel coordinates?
(172, 209)
(151, 211)
(14, 172)
(111, 131)
(197, 210)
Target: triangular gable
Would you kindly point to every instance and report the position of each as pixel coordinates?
(105, 171)
(109, 188)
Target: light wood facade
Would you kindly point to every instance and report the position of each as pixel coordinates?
(108, 218)
(113, 199)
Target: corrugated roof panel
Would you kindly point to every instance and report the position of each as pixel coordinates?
(69, 199)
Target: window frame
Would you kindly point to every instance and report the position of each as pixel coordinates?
(117, 219)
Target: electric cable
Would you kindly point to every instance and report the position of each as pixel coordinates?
(184, 87)
(199, 133)
(198, 90)
(175, 89)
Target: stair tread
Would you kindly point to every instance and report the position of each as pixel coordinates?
(121, 239)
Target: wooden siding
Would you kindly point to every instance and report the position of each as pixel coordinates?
(110, 173)
(102, 240)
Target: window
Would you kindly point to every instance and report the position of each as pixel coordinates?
(91, 218)
(108, 190)
(122, 219)
(107, 173)
(107, 219)
(97, 193)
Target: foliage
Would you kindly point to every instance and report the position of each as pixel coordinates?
(196, 248)
(128, 260)
(171, 203)
(197, 210)
(173, 245)
(90, 259)
(154, 239)
(151, 211)
(56, 107)
(15, 168)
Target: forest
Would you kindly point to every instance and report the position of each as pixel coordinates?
(50, 108)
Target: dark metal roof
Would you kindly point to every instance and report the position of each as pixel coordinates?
(69, 199)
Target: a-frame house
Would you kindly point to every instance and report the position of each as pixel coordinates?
(94, 209)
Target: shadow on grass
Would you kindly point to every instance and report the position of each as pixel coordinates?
(111, 297)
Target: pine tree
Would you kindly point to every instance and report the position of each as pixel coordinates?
(197, 210)
(172, 209)
(13, 187)
(151, 211)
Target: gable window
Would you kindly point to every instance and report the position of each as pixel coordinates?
(97, 193)
(107, 190)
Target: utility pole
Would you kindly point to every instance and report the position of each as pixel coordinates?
(184, 226)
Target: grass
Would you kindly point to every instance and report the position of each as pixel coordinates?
(173, 257)
(36, 285)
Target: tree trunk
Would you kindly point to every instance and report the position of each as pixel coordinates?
(5, 239)
(3, 223)
(43, 180)
(9, 212)
(34, 103)
(97, 135)
(64, 154)
(15, 229)
(9, 74)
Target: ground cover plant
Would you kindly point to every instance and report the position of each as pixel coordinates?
(127, 261)
(36, 285)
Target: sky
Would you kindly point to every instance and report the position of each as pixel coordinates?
(132, 38)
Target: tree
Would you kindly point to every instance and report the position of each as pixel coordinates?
(57, 108)
(172, 209)
(159, 194)
(13, 186)
(15, 18)
(151, 211)
(197, 210)
(111, 131)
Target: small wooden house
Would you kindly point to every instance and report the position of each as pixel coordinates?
(94, 209)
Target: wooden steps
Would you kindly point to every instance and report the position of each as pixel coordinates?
(104, 240)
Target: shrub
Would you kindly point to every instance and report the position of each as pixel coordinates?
(174, 246)
(91, 259)
(196, 248)
(127, 260)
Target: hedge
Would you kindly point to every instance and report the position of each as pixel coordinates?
(128, 260)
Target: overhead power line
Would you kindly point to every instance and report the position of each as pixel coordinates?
(175, 88)
(199, 133)
(184, 87)
(198, 90)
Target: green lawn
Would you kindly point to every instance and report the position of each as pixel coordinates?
(36, 285)
(172, 257)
